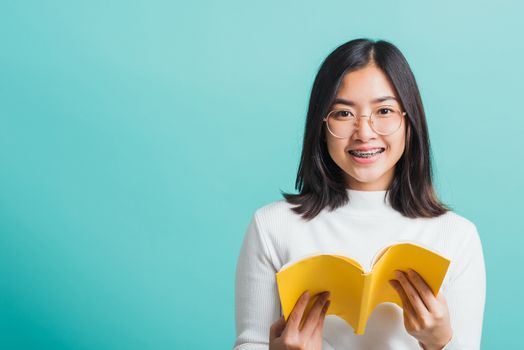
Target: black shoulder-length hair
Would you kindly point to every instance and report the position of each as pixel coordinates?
(321, 182)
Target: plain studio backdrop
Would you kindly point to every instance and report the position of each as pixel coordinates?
(137, 138)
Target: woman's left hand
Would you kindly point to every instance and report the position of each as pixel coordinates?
(426, 317)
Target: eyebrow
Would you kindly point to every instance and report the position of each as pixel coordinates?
(351, 103)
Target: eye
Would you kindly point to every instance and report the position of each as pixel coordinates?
(342, 114)
(384, 110)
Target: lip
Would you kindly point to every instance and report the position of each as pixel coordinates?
(364, 149)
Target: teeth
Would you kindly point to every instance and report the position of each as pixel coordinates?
(366, 154)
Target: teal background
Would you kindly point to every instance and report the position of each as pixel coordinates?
(137, 138)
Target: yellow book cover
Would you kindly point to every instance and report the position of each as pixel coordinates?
(354, 293)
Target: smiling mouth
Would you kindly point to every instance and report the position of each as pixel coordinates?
(367, 154)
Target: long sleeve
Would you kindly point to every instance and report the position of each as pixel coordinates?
(276, 236)
(256, 294)
(466, 295)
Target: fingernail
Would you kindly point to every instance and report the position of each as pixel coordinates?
(392, 283)
(398, 274)
(326, 306)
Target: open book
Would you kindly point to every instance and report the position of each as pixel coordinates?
(354, 293)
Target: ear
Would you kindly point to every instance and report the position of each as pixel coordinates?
(408, 131)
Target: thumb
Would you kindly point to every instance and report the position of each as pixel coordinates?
(277, 328)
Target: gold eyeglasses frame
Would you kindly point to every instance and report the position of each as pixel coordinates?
(402, 114)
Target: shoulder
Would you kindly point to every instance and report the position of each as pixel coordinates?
(458, 229)
(277, 218)
(273, 208)
(459, 222)
(275, 212)
(456, 220)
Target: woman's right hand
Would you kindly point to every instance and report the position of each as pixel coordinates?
(287, 335)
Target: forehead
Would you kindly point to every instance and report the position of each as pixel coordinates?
(365, 84)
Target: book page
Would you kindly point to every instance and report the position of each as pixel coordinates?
(378, 255)
(336, 274)
(402, 256)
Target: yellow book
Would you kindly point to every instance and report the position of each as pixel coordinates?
(354, 293)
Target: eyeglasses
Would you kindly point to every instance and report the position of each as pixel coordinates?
(385, 120)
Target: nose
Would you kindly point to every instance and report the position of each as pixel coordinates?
(363, 129)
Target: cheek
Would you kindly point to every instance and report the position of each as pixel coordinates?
(398, 145)
(336, 149)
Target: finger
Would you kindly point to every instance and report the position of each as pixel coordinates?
(323, 313)
(423, 290)
(296, 315)
(406, 305)
(314, 315)
(317, 333)
(412, 294)
(276, 328)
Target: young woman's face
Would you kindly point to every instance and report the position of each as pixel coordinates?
(362, 87)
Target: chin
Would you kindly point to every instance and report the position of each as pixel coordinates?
(367, 177)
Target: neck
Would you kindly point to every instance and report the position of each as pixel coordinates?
(369, 203)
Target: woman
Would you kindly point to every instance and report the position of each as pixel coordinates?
(365, 182)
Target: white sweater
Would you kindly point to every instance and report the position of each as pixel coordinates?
(276, 235)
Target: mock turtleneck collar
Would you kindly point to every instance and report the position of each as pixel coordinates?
(369, 203)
